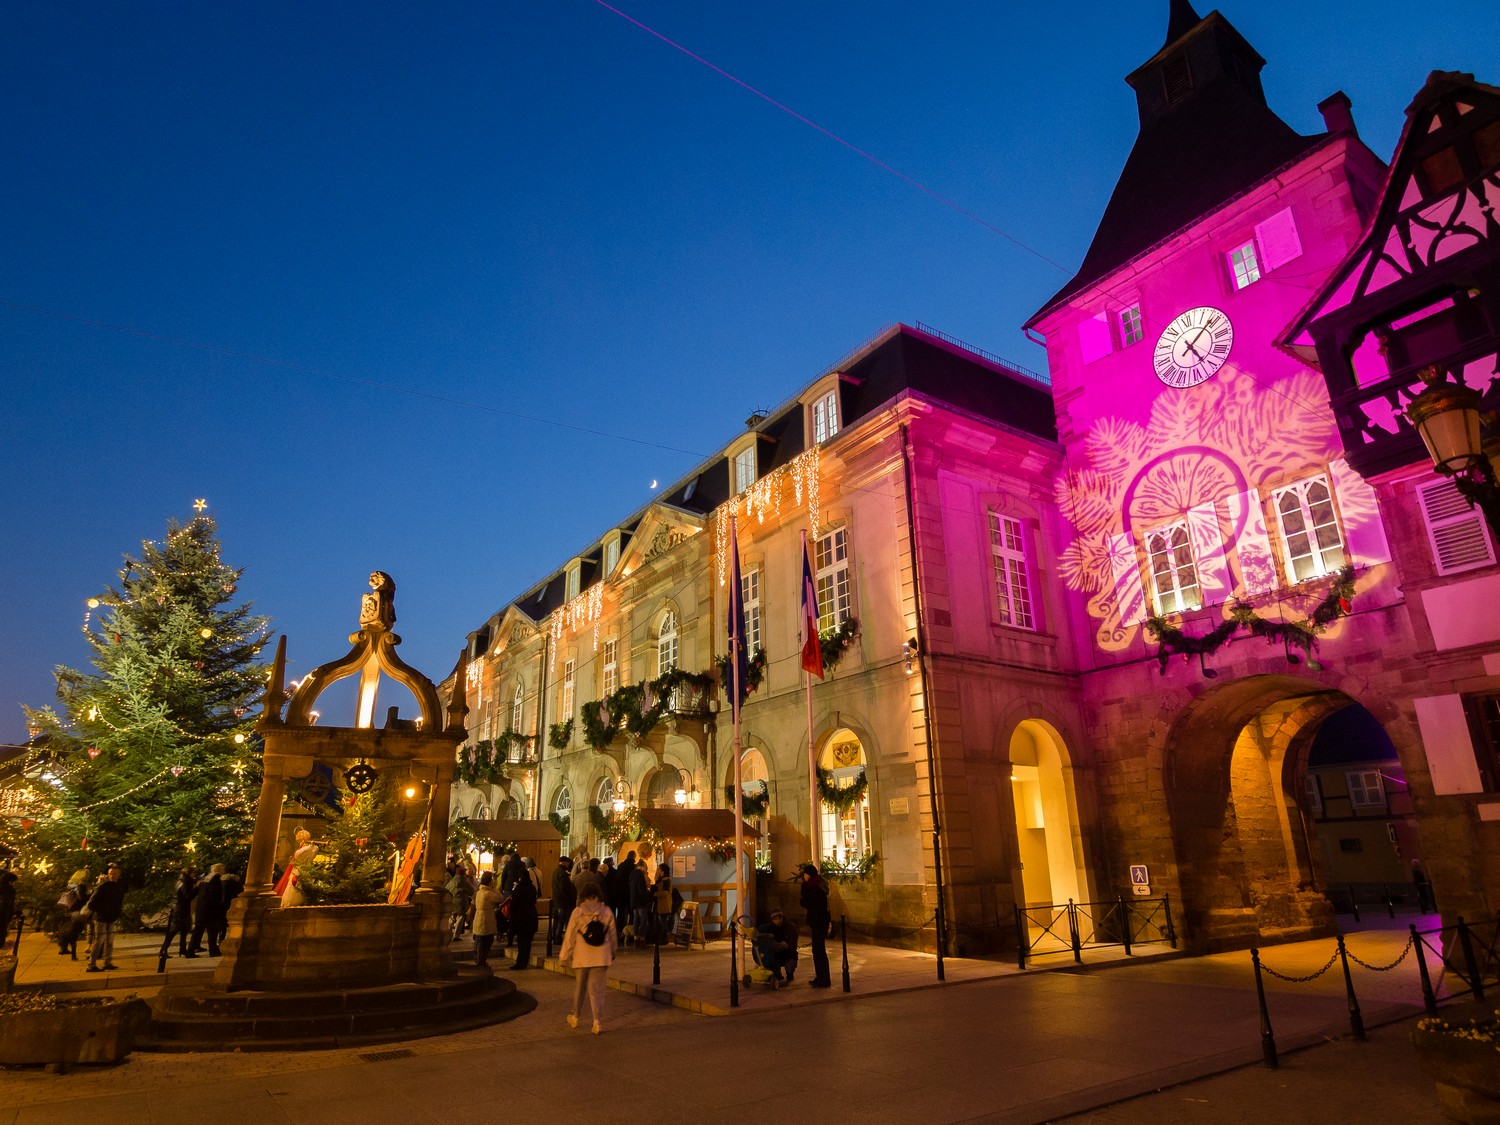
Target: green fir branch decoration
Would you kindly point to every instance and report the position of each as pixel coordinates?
(835, 642)
(755, 805)
(842, 797)
(597, 820)
(599, 723)
(562, 822)
(719, 850)
(1304, 634)
(559, 735)
(755, 672)
(852, 869)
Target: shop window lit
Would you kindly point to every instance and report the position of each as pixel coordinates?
(845, 832)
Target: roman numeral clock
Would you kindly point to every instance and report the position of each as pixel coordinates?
(1193, 347)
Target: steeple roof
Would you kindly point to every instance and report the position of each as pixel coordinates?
(1206, 136)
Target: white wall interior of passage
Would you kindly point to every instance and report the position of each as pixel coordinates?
(1047, 833)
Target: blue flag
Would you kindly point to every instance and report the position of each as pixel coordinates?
(739, 658)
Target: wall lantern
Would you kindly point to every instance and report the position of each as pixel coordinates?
(687, 791)
(623, 796)
(909, 655)
(1448, 418)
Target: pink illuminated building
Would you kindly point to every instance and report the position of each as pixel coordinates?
(1195, 626)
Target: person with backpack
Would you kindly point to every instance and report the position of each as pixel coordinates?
(589, 944)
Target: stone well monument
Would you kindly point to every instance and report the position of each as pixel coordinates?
(325, 974)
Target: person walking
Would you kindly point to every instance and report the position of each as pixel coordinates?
(642, 905)
(564, 896)
(815, 903)
(104, 907)
(589, 944)
(461, 894)
(486, 901)
(209, 919)
(179, 918)
(523, 916)
(71, 902)
(662, 891)
(587, 873)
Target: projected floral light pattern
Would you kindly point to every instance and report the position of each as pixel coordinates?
(1201, 458)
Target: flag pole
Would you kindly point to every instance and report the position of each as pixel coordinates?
(813, 827)
(739, 772)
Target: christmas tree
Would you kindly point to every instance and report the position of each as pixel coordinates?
(151, 759)
(358, 851)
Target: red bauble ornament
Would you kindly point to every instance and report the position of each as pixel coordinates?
(361, 841)
(1344, 606)
(93, 752)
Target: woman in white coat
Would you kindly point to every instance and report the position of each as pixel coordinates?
(590, 943)
(486, 899)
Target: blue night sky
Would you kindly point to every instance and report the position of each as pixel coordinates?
(477, 211)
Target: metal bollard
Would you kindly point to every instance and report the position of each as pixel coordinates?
(1429, 998)
(551, 929)
(1073, 932)
(1476, 978)
(1356, 1020)
(1385, 889)
(1166, 905)
(1267, 1039)
(656, 960)
(20, 922)
(734, 967)
(1124, 923)
(1022, 937)
(844, 946)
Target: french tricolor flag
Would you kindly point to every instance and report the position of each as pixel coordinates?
(812, 648)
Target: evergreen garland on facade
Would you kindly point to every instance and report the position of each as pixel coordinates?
(1304, 634)
(842, 797)
(754, 804)
(835, 642)
(755, 672)
(561, 822)
(559, 735)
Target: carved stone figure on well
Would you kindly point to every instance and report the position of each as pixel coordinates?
(379, 608)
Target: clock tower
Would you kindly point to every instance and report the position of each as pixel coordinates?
(1204, 478)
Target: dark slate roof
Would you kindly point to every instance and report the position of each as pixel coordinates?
(1192, 157)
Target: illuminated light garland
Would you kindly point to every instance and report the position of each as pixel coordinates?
(584, 610)
(764, 498)
(474, 674)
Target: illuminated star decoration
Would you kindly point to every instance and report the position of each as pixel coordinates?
(199, 504)
(238, 768)
(41, 867)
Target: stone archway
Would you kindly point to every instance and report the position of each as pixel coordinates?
(1048, 839)
(1235, 758)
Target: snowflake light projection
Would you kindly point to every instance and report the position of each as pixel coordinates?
(1199, 459)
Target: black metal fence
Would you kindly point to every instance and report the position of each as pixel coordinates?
(1466, 956)
(1062, 927)
(1386, 898)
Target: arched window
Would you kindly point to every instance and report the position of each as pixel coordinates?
(562, 805)
(661, 791)
(518, 707)
(604, 794)
(756, 779)
(845, 832)
(666, 643)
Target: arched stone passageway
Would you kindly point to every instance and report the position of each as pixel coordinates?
(1235, 769)
(1047, 834)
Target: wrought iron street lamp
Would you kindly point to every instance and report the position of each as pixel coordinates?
(687, 791)
(1447, 416)
(623, 796)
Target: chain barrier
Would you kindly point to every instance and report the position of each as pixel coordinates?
(1405, 952)
(1270, 972)
(889, 933)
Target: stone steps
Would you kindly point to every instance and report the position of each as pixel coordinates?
(205, 1019)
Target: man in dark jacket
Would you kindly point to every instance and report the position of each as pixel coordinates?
(105, 906)
(523, 917)
(564, 897)
(815, 902)
(642, 905)
(210, 917)
(619, 892)
(776, 946)
(180, 918)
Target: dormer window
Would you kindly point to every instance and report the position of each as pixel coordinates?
(826, 417)
(611, 554)
(572, 581)
(744, 468)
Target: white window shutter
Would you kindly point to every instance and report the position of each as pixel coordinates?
(1130, 596)
(1252, 545)
(1359, 511)
(1208, 553)
(1093, 338)
(1278, 240)
(1456, 531)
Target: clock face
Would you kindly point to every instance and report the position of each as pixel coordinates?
(1193, 347)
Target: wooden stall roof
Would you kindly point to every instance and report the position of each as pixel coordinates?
(519, 831)
(689, 824)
